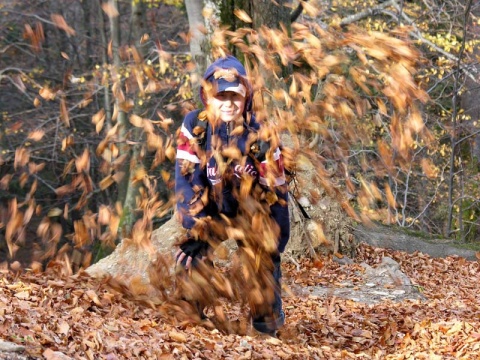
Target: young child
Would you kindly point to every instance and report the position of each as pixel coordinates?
(226, 172)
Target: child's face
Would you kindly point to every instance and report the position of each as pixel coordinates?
(228, 105)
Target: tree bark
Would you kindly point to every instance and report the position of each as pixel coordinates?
(198, 43)
(134, 160)
(469, 99)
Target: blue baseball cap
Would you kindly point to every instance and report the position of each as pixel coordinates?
(235, 86)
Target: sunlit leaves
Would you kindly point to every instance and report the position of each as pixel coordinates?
(327, 326)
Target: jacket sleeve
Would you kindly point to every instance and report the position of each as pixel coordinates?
(280, 213)
(190, 178)
(275, 177)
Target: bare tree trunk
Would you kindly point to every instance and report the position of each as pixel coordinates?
(135, 158)
(104, 57)
(124, 126)
(198, 42)
(469, 100)
(455, 141)
(88, 7)
(269, 13)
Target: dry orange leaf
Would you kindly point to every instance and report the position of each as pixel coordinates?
(82, 163)
(47, 93)
(136, 120)
(92, 295)
(242, 15)
(64, 112)
(36, 135)
(110, 9)
(60, 22)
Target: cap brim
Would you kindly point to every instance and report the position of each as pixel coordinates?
(234, 86)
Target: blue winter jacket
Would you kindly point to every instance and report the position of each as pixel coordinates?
(202, 177)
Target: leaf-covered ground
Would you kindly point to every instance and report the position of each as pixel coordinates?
(85, 319)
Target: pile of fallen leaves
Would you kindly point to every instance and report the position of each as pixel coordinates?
(87, 319)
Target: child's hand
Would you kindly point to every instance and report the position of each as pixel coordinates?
(189, 251)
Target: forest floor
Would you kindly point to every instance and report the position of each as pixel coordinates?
(78, 317)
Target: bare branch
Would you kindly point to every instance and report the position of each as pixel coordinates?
(368, 12)
(418, 35)
(382, 9)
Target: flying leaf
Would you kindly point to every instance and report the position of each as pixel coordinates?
(67, 142)
(36, 135)
(136, 120)
(110, 9)
(242, 15)
(82, 163)
(46, 93)
(98, 120)
(415, 121)
(104, 215)
(60, 22)
(106, 182)
(64, 112)
(429, 169)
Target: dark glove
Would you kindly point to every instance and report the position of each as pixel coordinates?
(190, 251)
(194, 247)
(259, 149)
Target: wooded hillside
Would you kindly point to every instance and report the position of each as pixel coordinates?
(376, 104)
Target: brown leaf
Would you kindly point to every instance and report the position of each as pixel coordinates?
(63, 328)
(242, 15)
(98, 120)
(92, 295)
(36, 135)
(429, 169)
(106, 182)
(64, 190)
(22, 157)
(67, 142)
(177, 336)
(64, 112)
(35, 168)
(136, 120)
(110, 9)
(60, 22)
(82, 163)
(47, 93)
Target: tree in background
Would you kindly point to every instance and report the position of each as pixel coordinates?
(86, 109)
(87, 87)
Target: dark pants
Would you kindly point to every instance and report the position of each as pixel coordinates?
(269, 317)
(275, 318)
